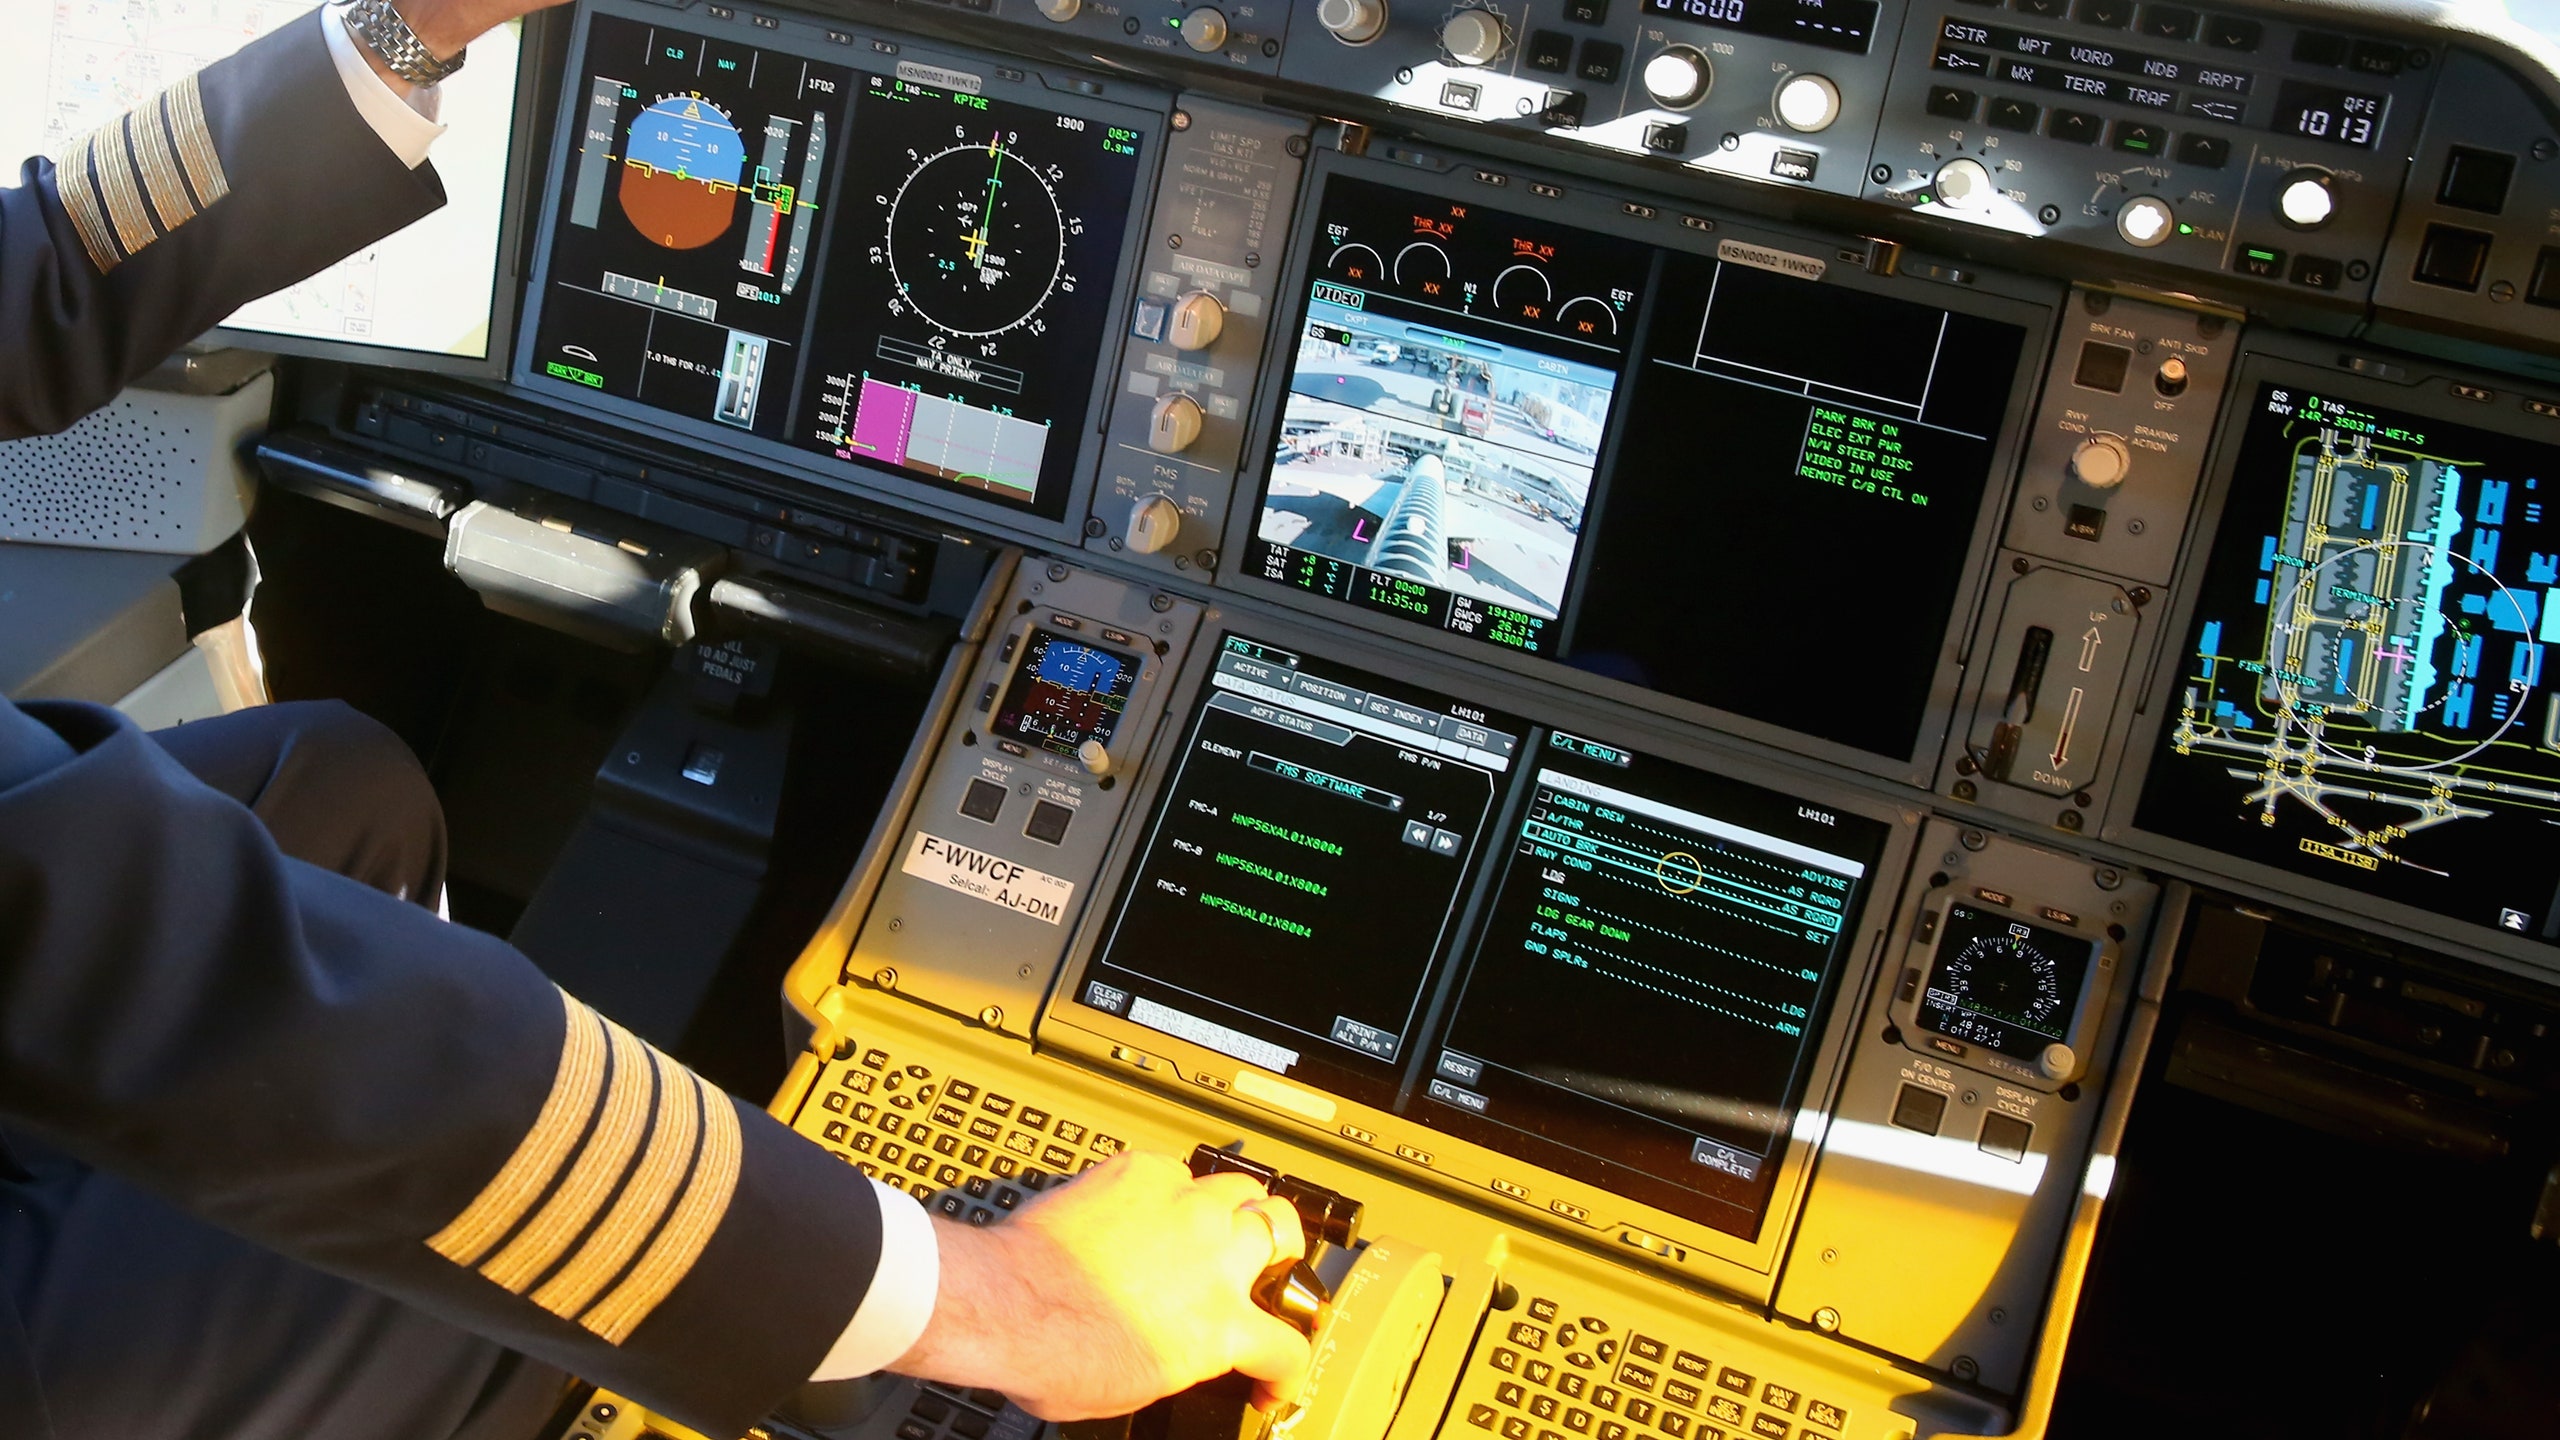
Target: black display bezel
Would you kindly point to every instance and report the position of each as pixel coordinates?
(2031, 305)
(2432, 395)
(1113, 101)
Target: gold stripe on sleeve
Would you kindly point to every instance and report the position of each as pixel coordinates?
(671, 1256)
(80, 201)
(644, 1202)
(159, 166)
(124, 195)
(185, 104)
(544, 1149)
(629, 1093)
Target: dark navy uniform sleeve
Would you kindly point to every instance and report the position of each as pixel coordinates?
(323, 1069)
(234, 183)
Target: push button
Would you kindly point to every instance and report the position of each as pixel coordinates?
(1601, 61)
(2013, 114)
(2209, 152)
(2476, 180)
(2111, 14)
(1949, 102)
(2006, 1136)
(2264, 261)
(2317, 271)
(2077, 126)
(2545, 289)
(1918, 1109)
(1049, 822)
(2230, 32)
(1549, 52)
(2167, 22)
(2452, 257)
(984, 801)
(2136, 138)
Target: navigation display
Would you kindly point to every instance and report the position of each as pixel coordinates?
(1524, 433)
(1641, 1006)
(1636, 1010)
(1065, 693)
(876, 268)
(2362, 698)
(2004, 984)
(1303, 869)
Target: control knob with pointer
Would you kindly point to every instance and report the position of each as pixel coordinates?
(1154, 522)
(1963, 184)
(2101, 462)
(2305, 200)
(1204, 29)
(1678, 77)
(1174, 424)
(1196, 321)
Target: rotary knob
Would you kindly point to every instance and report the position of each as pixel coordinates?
(1097, 761)
(2101, 462)
(1474, 37)
(1196, 321)
(1807, 103)
(2057, 1061)
(1204, 29)
(1154, 522)
(1174, 424)
(1061, 11)
(1962, 184)
(2305, 201)
(1679, 77)
(2171, 380)
(2145, 220)
(1353, 22)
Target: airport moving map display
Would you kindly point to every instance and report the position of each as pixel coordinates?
(2363, 698)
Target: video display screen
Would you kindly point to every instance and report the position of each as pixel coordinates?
(1065, 693)
(877, 268)
(1523, 432)
(1641, 1007)
(1637, 1010)
(2004, 984)
(1303, 868)
(2361, 697)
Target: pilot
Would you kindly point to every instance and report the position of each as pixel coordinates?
(286, 1155)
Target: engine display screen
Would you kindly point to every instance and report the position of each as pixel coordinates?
(2361, 697)
(2004, 984)
(1303, 869)
(1521, 432)
(1065, 693)
(1641, 1006)
(1636, 1010)
(892, 271)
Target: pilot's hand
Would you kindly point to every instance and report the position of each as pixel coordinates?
(1106, 1295)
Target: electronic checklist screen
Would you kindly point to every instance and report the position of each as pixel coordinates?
(1641, 1005)
(1649, 950)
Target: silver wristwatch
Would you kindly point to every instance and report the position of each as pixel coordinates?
(383, 32)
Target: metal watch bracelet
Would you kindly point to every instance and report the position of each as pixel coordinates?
(379, 26)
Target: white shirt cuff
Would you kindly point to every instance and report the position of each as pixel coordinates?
(408, 125)
(894, 1310)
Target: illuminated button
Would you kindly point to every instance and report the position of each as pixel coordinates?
(1538, 1372)
(2145, 221)
(1544, 1407)
(1204, 29)
(1637, 1377)
(1639, 1412)
(1573, 1386)
(1808, 102)
(1678, 77)
(1962, 184)
(2305, 201)
(1528, 1336)
(1779, 1397)
(1515, 1427)
(1509, 1393)
(1676, 1425)
(1737, 1381)
(1828, 1416)
(1480, 1415)
(1681, 1392)
(1645, 1347)
(1691, 1364)
(1765, 1426)
(1473, 37)
(1353, 22)
(1543, 1311)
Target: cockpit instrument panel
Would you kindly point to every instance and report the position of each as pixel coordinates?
(1494, 425)
(864, 261)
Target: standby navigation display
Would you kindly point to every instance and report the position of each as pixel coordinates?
(1637, 1009)
(2363, 696)
(2004, 984)
(1643, 1002)
(878, 269)
(1496, 426)
(1065, 693)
